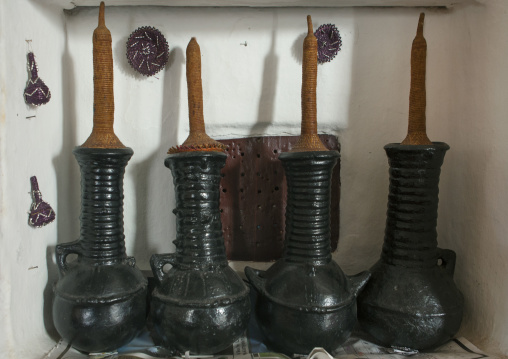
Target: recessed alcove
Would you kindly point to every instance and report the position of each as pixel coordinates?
(251, 81)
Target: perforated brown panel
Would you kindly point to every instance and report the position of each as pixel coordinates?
(253, 196)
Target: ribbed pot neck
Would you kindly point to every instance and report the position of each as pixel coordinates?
(102, 238)
(199, 239)
(410, 233)
(309, 176)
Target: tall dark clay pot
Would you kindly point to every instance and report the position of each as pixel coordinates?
(200, 305)
(305, 300)
(100, 298)
(411, 299)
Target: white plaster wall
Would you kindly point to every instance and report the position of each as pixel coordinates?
(28, 147)
(255, 90)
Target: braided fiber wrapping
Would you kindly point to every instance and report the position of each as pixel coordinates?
(309, 140)
(103, 135)
(417, 132)
(197, 136)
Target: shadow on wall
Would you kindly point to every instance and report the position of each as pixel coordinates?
(48, 294)
(67, 175)
(266, 106)
(378, 105)
(152, 191)
(297, 48)
(472, 172)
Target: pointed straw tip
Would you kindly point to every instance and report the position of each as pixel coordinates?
(309, 24)
(193, 44)
(420, 23)
(101, 14)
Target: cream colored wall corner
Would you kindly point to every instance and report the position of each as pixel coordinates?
(474, 196)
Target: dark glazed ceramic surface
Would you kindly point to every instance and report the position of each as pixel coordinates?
(411, 300)
(305, 300)
(200, 305)
(100, 298)
(253, 196)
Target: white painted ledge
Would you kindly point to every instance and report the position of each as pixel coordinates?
(70, 4)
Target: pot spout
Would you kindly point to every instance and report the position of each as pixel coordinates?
(255, 277)
(358, 282)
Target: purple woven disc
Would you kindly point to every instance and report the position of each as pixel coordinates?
(36, 92)
(147, 50)
(41, 212)
(329, 42)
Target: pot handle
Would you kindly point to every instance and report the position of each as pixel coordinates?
(62, 251)
(130, 261)
(448, 258)
(158, 261)
(256, 278)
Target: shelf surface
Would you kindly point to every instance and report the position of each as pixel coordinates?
(70, 4)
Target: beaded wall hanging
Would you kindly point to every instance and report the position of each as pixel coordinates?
(36, 92)
(329, 42)
(147, 50)
(41, 212)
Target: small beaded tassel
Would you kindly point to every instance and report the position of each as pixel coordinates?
(36, 91)
(41, 212)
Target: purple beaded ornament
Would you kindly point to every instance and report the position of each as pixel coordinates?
(36, 91)
(329, 42)
(41, 212)
(147, 50)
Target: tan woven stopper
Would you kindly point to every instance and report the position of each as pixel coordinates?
(417, 130)
(309, 139)
(198, 140)
(103, 135)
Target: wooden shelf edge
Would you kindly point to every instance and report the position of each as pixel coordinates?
(71, 4)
